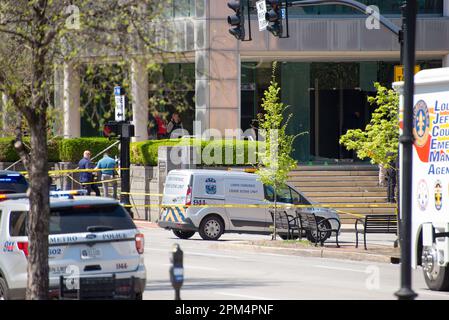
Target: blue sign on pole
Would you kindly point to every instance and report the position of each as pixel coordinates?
(283, 13)
(117, 90)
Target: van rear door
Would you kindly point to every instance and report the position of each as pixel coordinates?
(176, 187)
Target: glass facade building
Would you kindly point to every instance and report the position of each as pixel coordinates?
(325, 99)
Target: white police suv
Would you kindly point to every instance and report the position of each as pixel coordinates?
(95, 249)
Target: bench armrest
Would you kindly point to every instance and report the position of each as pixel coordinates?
(330, 219)
(362, 221)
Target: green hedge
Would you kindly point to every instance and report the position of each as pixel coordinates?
(8, 152)
(71, 150)
(142, 153)
(146, 152)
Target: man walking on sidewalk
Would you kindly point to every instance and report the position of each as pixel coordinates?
(88, 177)
(107, 166)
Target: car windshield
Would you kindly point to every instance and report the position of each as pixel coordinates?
(78, 219)
(13, 183)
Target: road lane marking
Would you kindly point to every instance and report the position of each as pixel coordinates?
(200, 254)
(340, 269)
(242, 296)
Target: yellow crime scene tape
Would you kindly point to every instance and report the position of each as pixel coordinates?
(77, 170)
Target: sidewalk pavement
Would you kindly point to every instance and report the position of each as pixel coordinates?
(380, 246)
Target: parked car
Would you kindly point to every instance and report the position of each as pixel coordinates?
(91, 238)
(12, 182)
(212, 202)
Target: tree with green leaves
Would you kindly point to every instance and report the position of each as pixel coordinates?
(37, 36)
(379, 141)
(276, 161)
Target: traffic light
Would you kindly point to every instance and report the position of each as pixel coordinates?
(274, 17)
(237, 21)
(111, 129)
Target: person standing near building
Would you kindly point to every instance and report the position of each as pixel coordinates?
(391, 180)
(88, 177)
(107, 166)
(174, 124)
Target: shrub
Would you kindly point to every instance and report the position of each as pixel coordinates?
(146, 152)
(8, 152)
(71, 150)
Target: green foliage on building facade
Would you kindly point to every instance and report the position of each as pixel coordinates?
(379, 140)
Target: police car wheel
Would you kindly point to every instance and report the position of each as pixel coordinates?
(211, 228)
(436, 276)
(3, 290)
(311, 236)
(183, 234)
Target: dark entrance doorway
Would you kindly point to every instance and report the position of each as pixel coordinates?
(338, 102)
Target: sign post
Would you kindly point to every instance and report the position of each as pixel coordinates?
(261, 13)
(119, 104)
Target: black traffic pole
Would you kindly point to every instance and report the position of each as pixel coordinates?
(124, 166)
(406, 140)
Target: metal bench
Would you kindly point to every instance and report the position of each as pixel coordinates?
(287, 222)
(375, 223)
(309, 222)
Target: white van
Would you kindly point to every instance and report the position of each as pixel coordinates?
(214, 192)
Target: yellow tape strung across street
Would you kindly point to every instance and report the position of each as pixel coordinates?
(267, 206)
(77, 170)
(87, 183)
(143, 194)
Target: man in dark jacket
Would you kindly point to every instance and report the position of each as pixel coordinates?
(391, 179)
(88, 177)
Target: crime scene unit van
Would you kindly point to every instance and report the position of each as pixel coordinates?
(430, 180)
(212, 202)
(95, 249)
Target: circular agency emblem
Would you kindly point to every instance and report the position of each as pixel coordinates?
(423, 195)
(438, 194)
(421, 123)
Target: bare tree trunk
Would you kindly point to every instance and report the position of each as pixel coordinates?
(38, 223)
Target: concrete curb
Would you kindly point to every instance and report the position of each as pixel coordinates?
(306, 252)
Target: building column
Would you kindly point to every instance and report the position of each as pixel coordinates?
(217, 67)
(3, 104)
(139, 92)
(446, 61)
(71, 106)
(58, 101)
(446, 8)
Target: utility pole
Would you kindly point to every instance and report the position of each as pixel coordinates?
(124, 130)
(406, 140)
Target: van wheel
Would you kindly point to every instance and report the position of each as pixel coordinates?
(436, 276)
(3, 290)
(183, 234)
(211, 228)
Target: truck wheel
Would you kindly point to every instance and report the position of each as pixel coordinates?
(211, 228)
(183, 234)
(436, 276)
(3, 290)
(311, 236)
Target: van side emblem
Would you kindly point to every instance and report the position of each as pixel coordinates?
(211, 186)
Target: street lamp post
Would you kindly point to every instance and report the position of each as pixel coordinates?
(406, 140)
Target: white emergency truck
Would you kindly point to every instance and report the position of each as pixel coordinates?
(430, 181)
(212, 202)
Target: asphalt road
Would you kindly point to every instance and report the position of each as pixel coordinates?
(222, 274)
